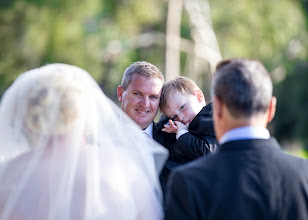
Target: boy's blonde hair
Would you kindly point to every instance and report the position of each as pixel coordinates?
(180, 84)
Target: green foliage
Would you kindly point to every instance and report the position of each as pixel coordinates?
(292, 107)
(257, 29)
(104, 37)
(302, 153)
(274, 32)
(34, 33)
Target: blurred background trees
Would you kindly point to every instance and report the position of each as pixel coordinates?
(104, 37)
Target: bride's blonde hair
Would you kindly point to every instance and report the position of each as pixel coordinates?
(55, 102)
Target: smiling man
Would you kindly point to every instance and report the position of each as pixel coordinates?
(139, 93)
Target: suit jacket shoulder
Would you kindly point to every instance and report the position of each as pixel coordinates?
(247, 179)
(202, 124)
(201, 138)
(165, 139)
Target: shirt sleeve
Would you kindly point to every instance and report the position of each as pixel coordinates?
(181, 132)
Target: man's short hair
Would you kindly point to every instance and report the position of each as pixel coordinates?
(141, 68)
(244, 85)
(180, 84)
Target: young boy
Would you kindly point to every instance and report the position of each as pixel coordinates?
(189, 117)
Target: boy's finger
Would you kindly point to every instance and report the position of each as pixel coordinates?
(176, 123)
(170, 122)
(167, 130)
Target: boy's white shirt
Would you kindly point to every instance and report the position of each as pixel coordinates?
(181, 132)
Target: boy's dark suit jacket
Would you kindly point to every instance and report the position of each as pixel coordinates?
(200, 140)
(245, 179)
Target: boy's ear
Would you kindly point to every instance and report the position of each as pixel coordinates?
(198, 93)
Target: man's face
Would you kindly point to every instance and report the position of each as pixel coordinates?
(183, 108)
(140, 100)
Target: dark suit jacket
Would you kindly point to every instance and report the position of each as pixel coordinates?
(200, 139)
(245, 179)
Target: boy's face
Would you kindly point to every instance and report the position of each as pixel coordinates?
(184, 107)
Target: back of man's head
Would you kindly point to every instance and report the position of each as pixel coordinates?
(244, 86)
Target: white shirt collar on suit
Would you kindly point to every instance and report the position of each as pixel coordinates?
(247, 132)
(149, 130)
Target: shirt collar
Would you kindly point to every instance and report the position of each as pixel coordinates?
(247, 132)
(149, 130)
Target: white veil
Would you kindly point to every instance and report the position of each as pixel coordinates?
(66, 154)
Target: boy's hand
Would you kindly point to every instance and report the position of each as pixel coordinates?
(174, 126)
(170, 127)
(181, 126)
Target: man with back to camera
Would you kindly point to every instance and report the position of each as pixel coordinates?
(248, 177)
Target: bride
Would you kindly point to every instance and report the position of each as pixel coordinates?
(66, 154)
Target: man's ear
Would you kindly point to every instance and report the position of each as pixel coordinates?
(272, 109)
(198, 93)
(217, 110)
(120, 91)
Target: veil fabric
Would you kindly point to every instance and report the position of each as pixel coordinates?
(68, 152)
